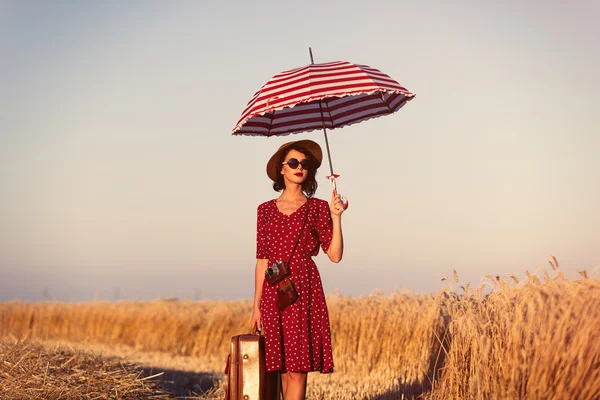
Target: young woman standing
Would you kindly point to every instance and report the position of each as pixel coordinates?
(298, 339)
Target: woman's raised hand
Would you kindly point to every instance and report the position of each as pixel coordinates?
(336, 206)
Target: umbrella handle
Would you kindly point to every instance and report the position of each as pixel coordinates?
(345, 201)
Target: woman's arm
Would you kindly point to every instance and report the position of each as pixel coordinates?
(336, 248)
(259, 278)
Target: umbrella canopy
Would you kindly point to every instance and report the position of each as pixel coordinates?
(329, 95)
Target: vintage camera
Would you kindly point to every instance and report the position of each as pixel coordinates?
(276, 272)
(273, 270)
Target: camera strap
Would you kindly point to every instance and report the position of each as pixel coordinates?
(301, 231)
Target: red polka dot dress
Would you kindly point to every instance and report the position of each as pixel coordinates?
(298, 339)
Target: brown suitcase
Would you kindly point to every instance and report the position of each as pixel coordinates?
(247, 370)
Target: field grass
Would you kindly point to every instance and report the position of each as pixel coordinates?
(531, 339)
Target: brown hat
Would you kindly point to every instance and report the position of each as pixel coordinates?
(313, 147)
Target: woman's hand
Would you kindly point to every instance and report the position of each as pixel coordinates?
(336, 207)
(336, 247)
(255, 322)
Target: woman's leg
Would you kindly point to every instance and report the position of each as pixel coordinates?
(284, 383)
(294, 385)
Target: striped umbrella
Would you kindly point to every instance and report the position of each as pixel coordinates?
(321, 96)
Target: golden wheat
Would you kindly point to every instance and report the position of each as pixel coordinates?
(532, 340)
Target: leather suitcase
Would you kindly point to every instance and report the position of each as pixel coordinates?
(247, 370)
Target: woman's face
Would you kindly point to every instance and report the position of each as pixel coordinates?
(295, 175)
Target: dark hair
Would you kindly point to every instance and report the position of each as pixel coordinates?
(309, 186)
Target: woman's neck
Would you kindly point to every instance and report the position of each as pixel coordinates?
(292, 192)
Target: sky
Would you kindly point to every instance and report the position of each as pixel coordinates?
(120, 179)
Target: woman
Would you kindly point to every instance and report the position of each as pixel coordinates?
(298, 339)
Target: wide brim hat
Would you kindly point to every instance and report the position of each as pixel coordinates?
(273, 166)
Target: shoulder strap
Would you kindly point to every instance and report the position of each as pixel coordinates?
(301, 230)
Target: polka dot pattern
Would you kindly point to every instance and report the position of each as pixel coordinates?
(297, 339)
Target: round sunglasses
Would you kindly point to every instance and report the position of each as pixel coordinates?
(293, 163)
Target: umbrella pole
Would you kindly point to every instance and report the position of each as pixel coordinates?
(326, 143)
(332, 176)
(312, 61)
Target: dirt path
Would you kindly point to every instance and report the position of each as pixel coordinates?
(192, 378)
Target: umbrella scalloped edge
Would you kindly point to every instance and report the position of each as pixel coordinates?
(239, 126)
(307, 130)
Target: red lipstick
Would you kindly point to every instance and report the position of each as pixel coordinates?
(298, 174)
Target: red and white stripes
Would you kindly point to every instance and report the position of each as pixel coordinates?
(333, 95)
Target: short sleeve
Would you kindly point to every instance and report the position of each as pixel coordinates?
(324, 225)
(261, 234)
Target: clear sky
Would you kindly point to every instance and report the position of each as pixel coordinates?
(119, 177)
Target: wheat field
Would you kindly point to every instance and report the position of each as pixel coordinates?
(531, 339)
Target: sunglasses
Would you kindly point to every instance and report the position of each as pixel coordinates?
(293, 163)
